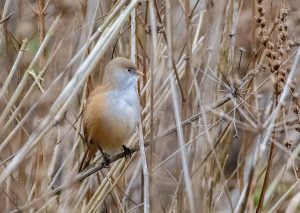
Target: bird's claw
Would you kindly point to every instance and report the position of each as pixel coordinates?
(127, 151)
(105, 160)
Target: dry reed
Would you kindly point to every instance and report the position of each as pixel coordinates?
(219, 128)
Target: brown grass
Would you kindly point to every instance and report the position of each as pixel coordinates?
(219, 129)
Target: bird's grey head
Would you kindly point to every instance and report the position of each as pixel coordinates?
(121, 71)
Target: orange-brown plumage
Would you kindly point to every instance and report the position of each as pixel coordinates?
(112, 109)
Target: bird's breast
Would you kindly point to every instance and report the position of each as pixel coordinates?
(124, 105)
(111, 118)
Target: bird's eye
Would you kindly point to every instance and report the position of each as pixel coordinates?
(130, 70)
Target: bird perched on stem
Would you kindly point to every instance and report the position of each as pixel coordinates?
(113, 109)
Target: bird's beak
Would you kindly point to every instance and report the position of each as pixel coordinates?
(140, 73)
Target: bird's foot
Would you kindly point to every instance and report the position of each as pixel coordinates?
(105, 160)
(127, 151)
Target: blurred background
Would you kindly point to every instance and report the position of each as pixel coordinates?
(222, 72)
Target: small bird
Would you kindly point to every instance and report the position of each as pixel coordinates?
(113, 109)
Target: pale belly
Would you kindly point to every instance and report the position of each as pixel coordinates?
(118, 121)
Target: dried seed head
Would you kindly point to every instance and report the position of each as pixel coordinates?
(280, 85)
(269, 53)
(270, 45)
(259, 31)
(281, 52)
(288, 144)
(295, 108)
(280, 76)
(258, 19)
(274, 55)
(264, 39)
(260, 8)
(293, 89)
(263, 22)
(283, 36)
(295, 94)
(284, 11)
(276, 64)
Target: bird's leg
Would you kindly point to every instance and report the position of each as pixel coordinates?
(127, 151)
(105, 157)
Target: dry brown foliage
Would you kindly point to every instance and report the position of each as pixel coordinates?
(220, 123)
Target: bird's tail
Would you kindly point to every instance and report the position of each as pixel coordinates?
(87, 157)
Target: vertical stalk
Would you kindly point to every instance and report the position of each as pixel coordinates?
(41, 28)
(153, 26)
